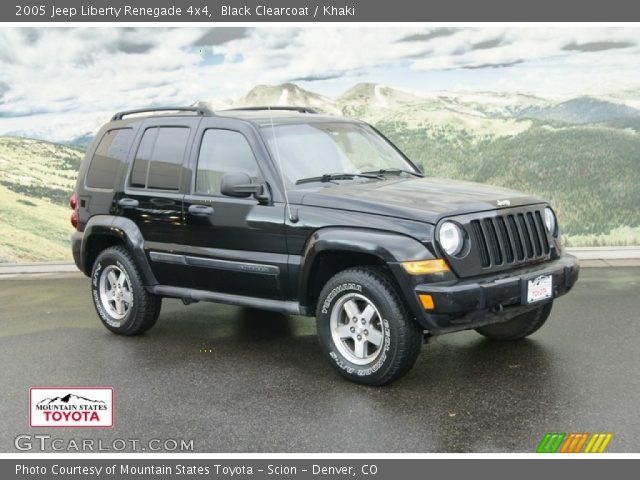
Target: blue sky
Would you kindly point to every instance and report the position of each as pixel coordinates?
(53, 79)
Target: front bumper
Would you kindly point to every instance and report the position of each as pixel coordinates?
(471, 303)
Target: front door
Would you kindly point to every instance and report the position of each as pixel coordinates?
(237, 244)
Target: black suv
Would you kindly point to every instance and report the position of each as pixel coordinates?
(284, 209)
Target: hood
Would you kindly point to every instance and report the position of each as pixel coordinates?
(421, 199)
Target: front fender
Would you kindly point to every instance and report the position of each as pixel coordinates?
(390, 247)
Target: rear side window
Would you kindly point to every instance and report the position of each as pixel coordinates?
(112, 151)
(158, 162)
(223, 151)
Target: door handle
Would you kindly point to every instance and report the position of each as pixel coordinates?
(162, 202)
(128, 203)
(200, 210)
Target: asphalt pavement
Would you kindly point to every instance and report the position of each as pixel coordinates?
(238, 380)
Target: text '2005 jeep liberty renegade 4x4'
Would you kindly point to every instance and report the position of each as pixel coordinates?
(288, 210)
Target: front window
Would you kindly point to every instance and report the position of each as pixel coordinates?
(306, 151)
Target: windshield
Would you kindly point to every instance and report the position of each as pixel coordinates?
(313, 150)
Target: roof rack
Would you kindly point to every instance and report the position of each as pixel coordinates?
(198, 110)
(290, 109)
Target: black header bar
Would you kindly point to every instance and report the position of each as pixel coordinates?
(265, 11)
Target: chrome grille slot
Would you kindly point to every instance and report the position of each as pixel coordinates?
(508, 238)
(481, 242)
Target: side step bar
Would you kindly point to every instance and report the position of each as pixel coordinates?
(282, 306)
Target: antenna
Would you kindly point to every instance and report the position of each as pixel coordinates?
(293, 218)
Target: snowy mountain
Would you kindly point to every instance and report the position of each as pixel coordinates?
(582, 110)
(482, 114)
(287, 95)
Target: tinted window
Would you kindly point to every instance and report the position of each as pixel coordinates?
(223, 151)
(158, 162)
(111, 152)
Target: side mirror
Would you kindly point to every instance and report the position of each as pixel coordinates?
(238, 184)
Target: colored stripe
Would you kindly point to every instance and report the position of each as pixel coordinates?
(581, 442)
(555, 442)
(576, 439)
(596, 446)
(543, 443)
(591, 442)
(568, 443)
(606, 441)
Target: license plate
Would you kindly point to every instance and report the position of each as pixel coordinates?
(539, 288)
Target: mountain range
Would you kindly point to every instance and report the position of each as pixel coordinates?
(68, 399)
(582, 154)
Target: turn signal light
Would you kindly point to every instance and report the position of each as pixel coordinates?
(427, 301)
(425, 267)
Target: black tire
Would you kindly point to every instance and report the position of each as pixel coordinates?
(399, 336)
(518, 327)
(137, 316)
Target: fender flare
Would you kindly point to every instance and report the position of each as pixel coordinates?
(127, 231)
(390, 247)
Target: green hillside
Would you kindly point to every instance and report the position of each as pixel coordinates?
(591, 174)
(36, 179)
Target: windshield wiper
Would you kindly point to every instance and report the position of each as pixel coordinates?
(382, 171)
(327, 177)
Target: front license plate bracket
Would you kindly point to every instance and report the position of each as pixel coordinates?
(537, 289)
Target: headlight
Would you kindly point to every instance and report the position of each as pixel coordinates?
(451, 238)
(550, 221)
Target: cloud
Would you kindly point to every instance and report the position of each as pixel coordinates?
(130, 47)
(429, 35)
(89, 72)
(219, 36)
(597, 46)
(317, 78)
(487, 44)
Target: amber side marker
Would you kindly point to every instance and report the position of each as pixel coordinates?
(427, 301)
(425, 267)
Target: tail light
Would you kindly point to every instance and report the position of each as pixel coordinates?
(75, 215)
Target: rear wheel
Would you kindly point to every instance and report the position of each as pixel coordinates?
(123, 304)
(365, 329)
(518, 327)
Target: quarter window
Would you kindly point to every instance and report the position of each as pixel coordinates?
(158, 162)
(111, 152)
(223, 151)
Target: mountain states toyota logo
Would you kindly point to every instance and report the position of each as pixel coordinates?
(71, 407)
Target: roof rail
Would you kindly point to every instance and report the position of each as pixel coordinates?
(198, 110)
(291, 109)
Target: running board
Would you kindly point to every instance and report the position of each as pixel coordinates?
(282, 306)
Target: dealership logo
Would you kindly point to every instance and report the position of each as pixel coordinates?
(574, 442)
(71, 407)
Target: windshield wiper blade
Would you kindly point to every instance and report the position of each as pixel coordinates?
(382, 171)
(327, 177)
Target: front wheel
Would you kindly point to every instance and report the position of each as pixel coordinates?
(123, 304)
(518, 327)
(365, 329)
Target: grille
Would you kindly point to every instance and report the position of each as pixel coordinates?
(510, 239)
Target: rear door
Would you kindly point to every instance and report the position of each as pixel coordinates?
(237, 245)
(154, 190)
